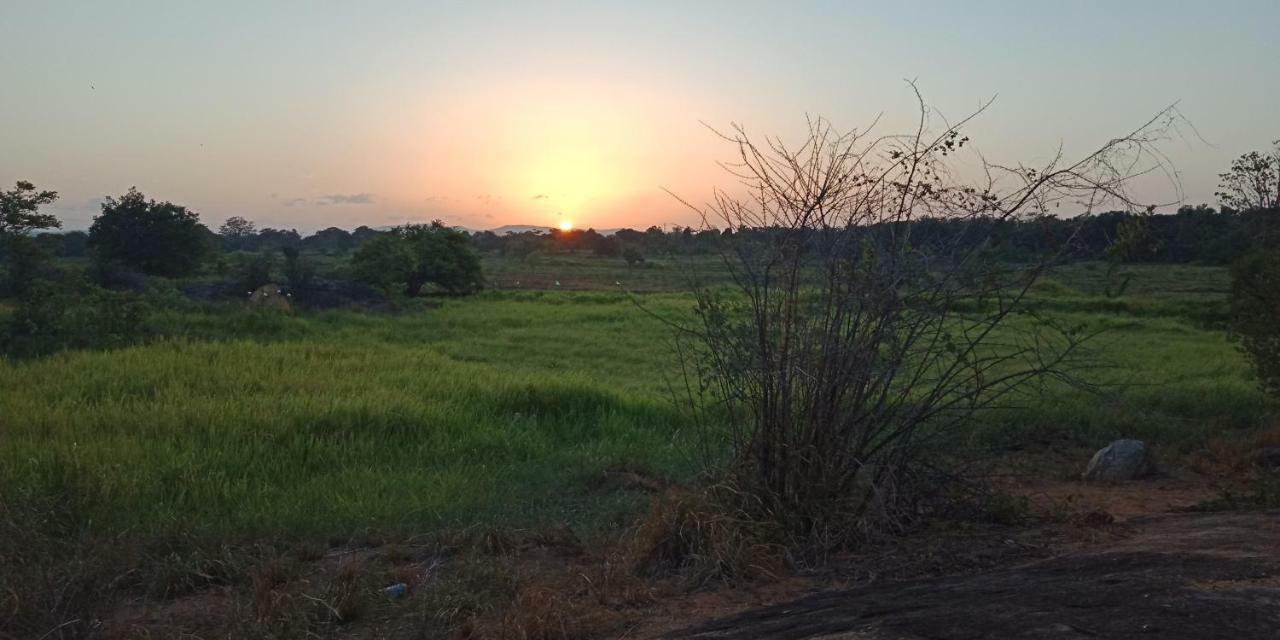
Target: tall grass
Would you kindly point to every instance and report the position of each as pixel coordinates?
(348, 422)
(502, 408)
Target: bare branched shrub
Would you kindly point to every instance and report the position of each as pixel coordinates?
(867, 321)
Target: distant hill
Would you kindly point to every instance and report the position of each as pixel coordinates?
(508, 229)
(504, 230)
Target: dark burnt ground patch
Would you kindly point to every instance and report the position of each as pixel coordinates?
(1178, 577)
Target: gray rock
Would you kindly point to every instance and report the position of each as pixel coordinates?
(1120, 461)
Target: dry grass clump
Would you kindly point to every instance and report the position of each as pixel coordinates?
(1234, 454)
(702, 536)
(54, 591)
(286, 605)
(546, 613)
(1247, 463)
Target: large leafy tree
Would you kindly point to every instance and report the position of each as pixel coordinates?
(1252, 186)
(270, 238)
(23, 257)
(20, 209)
(237, 232)
(1253, 182)
(414, 256)
(156, 238)
(331, 240)
(237, 227)
(363, 233)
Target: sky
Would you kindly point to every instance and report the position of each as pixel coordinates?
(314, 114)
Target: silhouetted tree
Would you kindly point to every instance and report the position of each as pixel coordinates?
(629, 237)
(656, 241)
(522, 245)
(24, 257)
(1252, 182)
(20, 209)
(633, 256)
(298, 272)
(278, 238)
(487, 242)
(417, 255)
(331, 240)
(256, 270)
(571, 240)
(364, 233)
(605, 246)
(156, 238)
(237, 233)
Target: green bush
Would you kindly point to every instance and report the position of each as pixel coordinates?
(24, 260)
(298, 271)
(414, 256)
(52, 317)
(1255, 313)
(256, 270)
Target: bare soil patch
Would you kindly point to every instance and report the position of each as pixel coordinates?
(1086, 561)
(1180, 576)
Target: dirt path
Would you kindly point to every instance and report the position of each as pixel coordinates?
(1190, 576)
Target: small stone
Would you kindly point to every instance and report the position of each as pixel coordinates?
(397, 590)
(1120, 461)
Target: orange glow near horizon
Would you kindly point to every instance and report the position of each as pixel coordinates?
(522, 152)
(566, 225)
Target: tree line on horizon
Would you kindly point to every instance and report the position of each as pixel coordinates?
(166, 239)
(136, 236)
(1199, 234)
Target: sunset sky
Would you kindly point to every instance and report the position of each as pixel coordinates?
(310, 114)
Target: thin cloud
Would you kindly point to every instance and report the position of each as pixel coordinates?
(541, 196)
(346, 198)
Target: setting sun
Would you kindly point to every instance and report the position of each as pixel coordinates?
(566, 225)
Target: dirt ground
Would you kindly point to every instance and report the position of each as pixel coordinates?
(1192, 576)
(1105, 561)
(1088, 561)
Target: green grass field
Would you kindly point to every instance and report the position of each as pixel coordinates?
(584, 272)
(501, 408)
